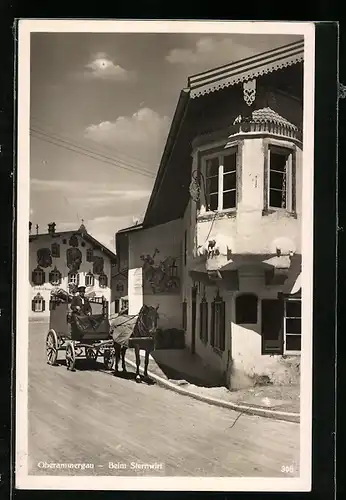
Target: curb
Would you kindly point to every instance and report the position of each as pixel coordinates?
(250, 410)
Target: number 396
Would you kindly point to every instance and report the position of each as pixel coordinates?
(287, 469)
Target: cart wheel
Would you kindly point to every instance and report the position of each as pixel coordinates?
(52, 347)
(108, 359)
(70, 356)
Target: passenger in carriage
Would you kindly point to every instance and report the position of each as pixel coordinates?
(80, 304)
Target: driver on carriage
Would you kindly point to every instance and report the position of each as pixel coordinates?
(80, 304)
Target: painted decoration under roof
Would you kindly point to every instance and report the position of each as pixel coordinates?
(98, 264)
(74, 259)
(44, 257)
(73, 242)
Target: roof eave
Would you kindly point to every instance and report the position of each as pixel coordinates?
(172, 135)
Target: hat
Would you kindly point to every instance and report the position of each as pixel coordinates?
(81, 289)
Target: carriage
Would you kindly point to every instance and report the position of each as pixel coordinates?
(94, 336)
(80, 337)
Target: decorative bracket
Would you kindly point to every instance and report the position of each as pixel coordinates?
(342, 91)
(249, 91)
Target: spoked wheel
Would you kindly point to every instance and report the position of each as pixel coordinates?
(108, 359)
(70, 356)
(51, 347)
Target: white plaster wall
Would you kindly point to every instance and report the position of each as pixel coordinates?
(167, 238)
(45, 241)
(250, 231)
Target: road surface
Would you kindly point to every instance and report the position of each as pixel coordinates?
(116, 425)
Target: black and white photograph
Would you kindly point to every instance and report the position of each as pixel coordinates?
(164, 255)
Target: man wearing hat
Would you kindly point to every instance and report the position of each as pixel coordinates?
(80, 305)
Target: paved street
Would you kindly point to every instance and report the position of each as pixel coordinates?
(90, 416)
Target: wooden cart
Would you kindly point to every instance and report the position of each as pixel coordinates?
(80, 337)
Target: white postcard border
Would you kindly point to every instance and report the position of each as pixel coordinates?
(23, 480)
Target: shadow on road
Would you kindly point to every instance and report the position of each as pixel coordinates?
(86, 365)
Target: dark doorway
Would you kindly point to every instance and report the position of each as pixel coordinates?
(272, 326)
(193, 319)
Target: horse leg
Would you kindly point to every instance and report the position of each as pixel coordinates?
(117, 357)
(138, 362)
(146, 363)
(123, 364)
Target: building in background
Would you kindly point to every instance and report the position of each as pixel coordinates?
(57, 259)
(219, 249)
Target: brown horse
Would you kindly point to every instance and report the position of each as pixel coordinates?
(126, 329)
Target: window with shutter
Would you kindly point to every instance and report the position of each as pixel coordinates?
(89, 279)
(218, 323)
(38, 304)
(103, 280)
(292, 326)
(184, 315)
(38, 276)
(272, 326)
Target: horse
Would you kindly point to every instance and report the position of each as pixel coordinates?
(125, 327)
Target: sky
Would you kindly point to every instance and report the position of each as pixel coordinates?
(101, 109)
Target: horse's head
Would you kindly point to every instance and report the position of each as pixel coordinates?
(150, 316)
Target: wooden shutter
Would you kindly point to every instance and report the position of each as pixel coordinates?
(222, 325)
(272, 326)
(212, 325)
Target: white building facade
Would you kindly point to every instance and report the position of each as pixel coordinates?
(57, 259)
(219, 249)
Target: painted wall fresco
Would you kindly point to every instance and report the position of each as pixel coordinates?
(160, 276)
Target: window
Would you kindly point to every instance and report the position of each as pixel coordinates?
(246, 309)
(218, 323)
(280, 179)
(38, 303)
(73, 279)
(184, 315)
(221, 181)
(55, 250)
(272, 326)
(103, 280)
(124, 304)
(292, 326)
(203, 317)
(89, 279)
(38, 276)
(55, 277)
(90, 255)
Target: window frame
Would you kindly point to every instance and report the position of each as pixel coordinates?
(103, 276)
(232, 148)
(284, 148)
(37, 271)
(56, 272)
(285, 334)
(55, 250)
(72, 281)
(89, 254)
(92, 278)
(38, 299)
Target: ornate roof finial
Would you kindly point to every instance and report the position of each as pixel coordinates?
(82, 228)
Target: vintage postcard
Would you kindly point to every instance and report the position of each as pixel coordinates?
(164, 294)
